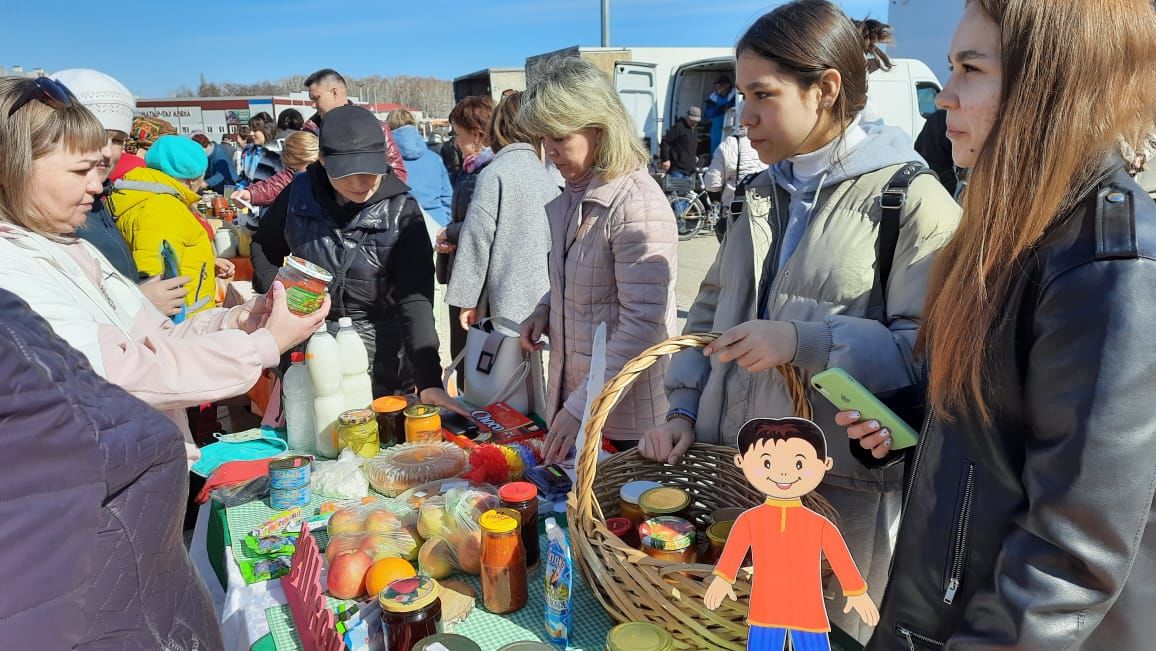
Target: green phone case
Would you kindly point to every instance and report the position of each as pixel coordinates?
(845, 392)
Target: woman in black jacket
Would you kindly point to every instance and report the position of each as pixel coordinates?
(1028, 516)
(351, 215)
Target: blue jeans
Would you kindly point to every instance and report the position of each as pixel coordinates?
(762, 638)
(675, 174)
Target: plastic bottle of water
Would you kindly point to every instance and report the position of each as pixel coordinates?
(297, 397)
(356, 385)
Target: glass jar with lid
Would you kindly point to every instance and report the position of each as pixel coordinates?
(628, 497)
(666, 500)
(504, 587)
(668, 538)
(411, 610)
(357, 430)
(639, 636)
(522, 497)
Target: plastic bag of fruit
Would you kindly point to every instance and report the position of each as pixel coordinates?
(375, 529)
(447, 514)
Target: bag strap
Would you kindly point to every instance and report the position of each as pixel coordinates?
(891, 202)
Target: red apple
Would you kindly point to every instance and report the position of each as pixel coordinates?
(347, 574)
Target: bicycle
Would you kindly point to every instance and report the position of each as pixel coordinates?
(692, 205)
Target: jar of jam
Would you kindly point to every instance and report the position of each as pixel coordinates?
(411, 610)
(626, 531)
(639, 636)
(503, 562)
(357, 430)
(664, 501)
(218, 203)
(716, 536)
(522, 497)
(305, 285)
(423, 424)
(628, 497)
(669, 539)
(390, 411)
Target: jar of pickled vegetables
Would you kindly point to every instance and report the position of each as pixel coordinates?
(357, 430)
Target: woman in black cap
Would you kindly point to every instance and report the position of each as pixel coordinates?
(350, 214)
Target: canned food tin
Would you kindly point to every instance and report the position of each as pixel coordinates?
(287, 498)
(290, 472)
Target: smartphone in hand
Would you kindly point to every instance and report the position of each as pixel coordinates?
(845, 392)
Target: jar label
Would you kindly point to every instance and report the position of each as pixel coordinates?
(302, 301)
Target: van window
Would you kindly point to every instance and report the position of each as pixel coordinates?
(926, 92)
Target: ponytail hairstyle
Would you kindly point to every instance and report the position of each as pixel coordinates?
(1076, 76)
(874, 34)
(806, 38)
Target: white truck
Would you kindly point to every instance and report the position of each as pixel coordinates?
(491, 81)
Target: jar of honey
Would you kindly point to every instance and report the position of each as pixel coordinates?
(357, 430)
(664, 501)
(305, 285)
(504, 587)
(668, 538)
(411, 611)
(423, 424)
(716, 536)
(628, 497)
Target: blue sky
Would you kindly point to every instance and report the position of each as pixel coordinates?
(156, 46)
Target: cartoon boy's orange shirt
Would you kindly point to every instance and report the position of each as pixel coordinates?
(788, 542)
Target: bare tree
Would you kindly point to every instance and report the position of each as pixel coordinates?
(433, 97)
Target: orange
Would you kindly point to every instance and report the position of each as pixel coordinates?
(386, 571)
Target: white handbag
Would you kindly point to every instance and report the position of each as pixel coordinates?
(498, 370)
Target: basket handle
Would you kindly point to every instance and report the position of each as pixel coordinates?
(587, 464)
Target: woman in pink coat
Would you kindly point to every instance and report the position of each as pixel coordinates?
(48, 181)
(613, 256)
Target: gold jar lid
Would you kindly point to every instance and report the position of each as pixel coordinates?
(421, 411)
(664, 501)
(355, 417)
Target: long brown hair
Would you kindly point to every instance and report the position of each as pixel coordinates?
(1076, 75)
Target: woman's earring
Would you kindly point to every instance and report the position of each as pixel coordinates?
(826, 103)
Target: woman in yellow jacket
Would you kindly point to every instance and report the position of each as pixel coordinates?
(154, 205)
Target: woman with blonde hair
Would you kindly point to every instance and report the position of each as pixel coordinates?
(1028, 517)
(298, 151)
(613, 255)
(48, 178)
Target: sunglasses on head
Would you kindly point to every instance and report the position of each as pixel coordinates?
(48, 91)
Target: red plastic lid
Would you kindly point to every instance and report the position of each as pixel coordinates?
(297, 358)
(619, 526)
(519, 491)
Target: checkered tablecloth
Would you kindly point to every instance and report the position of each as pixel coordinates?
(490, 631)
(246, 517)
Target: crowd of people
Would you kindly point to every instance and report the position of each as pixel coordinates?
(1015, 309)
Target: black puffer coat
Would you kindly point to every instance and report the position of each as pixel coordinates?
(1037, 531)
(91, 500)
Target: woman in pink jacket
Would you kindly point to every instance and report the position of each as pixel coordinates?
(48, 181)
(613, 256)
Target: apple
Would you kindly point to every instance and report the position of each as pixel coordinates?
(347, 574)
(345, 521)
(382, 521)
(468, 549)
(434, 559)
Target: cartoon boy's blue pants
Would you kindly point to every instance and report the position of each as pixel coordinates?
(775, 639)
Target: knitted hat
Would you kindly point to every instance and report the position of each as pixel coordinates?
(180, 158)
(106, 97)
(145, 131)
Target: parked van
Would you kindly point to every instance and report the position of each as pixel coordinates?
(903, 96)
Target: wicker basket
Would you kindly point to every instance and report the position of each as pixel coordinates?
(632, 586)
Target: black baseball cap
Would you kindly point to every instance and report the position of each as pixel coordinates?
(351, 142)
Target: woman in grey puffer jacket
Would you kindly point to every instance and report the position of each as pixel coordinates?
(505, 238)
(93, 556)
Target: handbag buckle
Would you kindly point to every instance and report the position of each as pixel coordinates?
(486, 362)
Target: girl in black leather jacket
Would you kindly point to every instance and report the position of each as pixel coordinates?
(1028, 515)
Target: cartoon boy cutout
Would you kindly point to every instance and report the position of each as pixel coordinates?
(785, 459)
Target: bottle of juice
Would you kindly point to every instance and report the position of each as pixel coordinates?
(356, 385)
(298, 397)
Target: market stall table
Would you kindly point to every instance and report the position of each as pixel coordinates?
(255, 617)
